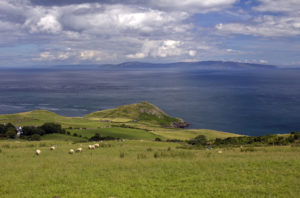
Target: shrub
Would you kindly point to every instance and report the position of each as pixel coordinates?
(97, 137)
(30, 130)
(75, 134)
(68, 133)
(157, 139)
(173, 140)
(2, 129)
(10, 126)
(35, 137)
(11, 133)
(199, 140)
(50, 127)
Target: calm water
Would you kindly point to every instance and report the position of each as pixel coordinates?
(252, 103)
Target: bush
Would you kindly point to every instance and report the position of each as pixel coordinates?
(35, 137)
(2, 129)
(11, 133)
(68, 133)
(51, 128)
(157, 139)
(97, 137)
(30, 130)
(10, 126)
(199, 140)
(75, 134)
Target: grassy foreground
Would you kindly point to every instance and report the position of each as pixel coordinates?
(143, 168)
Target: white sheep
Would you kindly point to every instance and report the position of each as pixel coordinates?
(38, 152)
(52, 148)
(91, 147)
(96, 145)
(220, 151)
(71, 151)
(79, 150)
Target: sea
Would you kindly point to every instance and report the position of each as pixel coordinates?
(249, 102)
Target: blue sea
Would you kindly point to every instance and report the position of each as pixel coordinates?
(251, 102)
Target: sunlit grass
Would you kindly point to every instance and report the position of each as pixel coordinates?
(147, 169)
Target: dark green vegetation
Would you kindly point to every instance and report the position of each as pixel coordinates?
(292, 138)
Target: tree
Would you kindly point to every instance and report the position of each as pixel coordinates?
(51, 128)
(2, 130)
(10, 126)
(30, 130)
(11, 133)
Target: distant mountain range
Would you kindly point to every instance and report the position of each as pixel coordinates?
(201, 65)
(215, 65)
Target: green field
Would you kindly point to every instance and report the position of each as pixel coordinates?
(138, 166)
(142, 118)
(148, 169)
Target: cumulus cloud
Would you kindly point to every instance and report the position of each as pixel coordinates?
(159, 49)
(183, 5)
(268, 26)
(269, 23)
(112, 31)
(290, 6)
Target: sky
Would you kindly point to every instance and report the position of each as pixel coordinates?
(67, 32)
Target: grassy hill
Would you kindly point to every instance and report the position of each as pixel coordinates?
(136, 121)
(143, 112)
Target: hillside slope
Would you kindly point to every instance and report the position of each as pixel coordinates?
(143, 112)
(136, 121)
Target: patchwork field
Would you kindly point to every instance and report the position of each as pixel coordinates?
(141, 168)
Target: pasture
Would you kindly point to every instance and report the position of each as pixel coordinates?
(144, 168)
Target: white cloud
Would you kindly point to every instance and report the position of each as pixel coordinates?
(90, 55)
(269, 26)
(290, 6)
(43, 20)
(46, 56)
(192, 53)
(194, 5)
(159, 49)
(118, 19)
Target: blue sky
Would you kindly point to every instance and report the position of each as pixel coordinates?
(43, 32)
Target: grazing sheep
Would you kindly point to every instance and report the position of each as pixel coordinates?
(96, 145)
(38, 152)
(79, 150)
(71, 151)
(52, 148)
(220, 151)
(91, 147)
